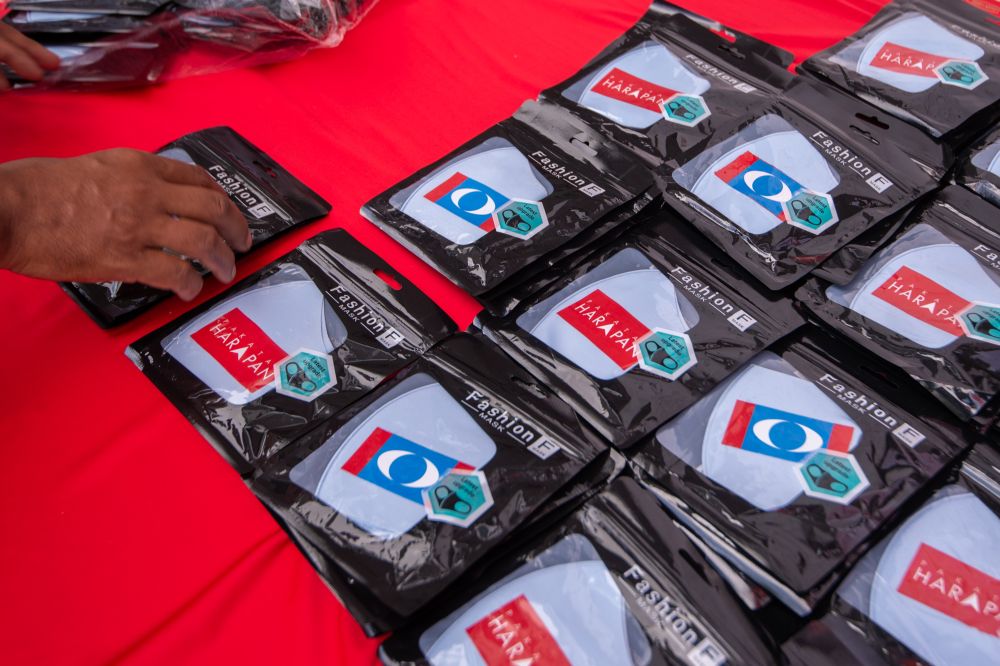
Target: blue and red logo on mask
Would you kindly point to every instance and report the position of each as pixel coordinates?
(400, 465)
(763, 182)
(471, 200)
(781, 434)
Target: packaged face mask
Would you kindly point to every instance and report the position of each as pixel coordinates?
(929, 592)
(521, 192)
(414, 483)
(42, 22)
(923, 62)
(790, 467)
(114, 7)
(289, 346)
(635, 332)
(613, 583)
(669, 82)
(786, 188)
(271, 199)
(979, 169)
(929, 301)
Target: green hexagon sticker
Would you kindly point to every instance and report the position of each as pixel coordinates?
(665, 353)
(812, 211)
(305, 375)
(981, 321)
(687, 110)
(459, 498)
(832, 476)
(520, 219)
(961, 73)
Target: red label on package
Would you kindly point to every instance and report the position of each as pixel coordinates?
(609, 326)
(242, 348)
(924, 299)
(624, 87)
(514, 635)
(896, 58)
(954, 588)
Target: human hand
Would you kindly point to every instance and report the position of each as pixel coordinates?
(25, 56)
(108, 216)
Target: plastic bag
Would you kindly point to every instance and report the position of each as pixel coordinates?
(408, 487)
(979, 169)
(271, 199)
(667, 83)
(793, 465)
(930, 592)
(638, 330)
(520, 192)
(614, 583)
(290, 346)
(929, 302)
(925, 61)
(175, 40)
(783, 189)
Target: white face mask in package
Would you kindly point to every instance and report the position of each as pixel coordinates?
(458, 200)
(373, 470)
(565, 605)
(918, 286)
(907, 52)
(632, 89)
(757, 178)
(595, 320)
(752, 432)
(934, 584)
(234, 347)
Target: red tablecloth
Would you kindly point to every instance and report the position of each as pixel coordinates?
(128, 539)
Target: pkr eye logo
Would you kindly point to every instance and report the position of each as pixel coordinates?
(469, 199)
(781, 434)
(399, 465)
(762, 182)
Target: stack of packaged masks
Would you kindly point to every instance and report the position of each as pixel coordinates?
(138, 42)
(737, 345)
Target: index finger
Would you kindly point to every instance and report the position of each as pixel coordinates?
(210, 207)
(182, 173)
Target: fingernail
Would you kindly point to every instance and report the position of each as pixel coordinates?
(249, 240)
(232, 273)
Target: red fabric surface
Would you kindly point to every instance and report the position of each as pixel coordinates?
(127, 539)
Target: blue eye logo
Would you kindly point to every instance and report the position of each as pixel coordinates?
(764, 183)
(399, 465)
(469, 199)
(781, 434)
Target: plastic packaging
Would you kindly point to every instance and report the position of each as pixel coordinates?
(410, 486)
(638, 330)
(791, 467)
(271, 199)
(782, 189)
(929, 302)
(173, 40)
(290, 346)
(668, 82)
(521, 192)
(613, 583)
(930, 592)
(979, 169)
(928, 62)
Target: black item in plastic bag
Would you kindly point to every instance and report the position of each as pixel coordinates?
(635, 332)
(410, 486)
(923, 62)
(795, 464)
(930, 592)
(110, 7)
(516, 194)
(929, 302)
(290, 346)
(41, 24)
(669, 83)
(616, 582)
(979, 169)
(271, 199)
(784, 189)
